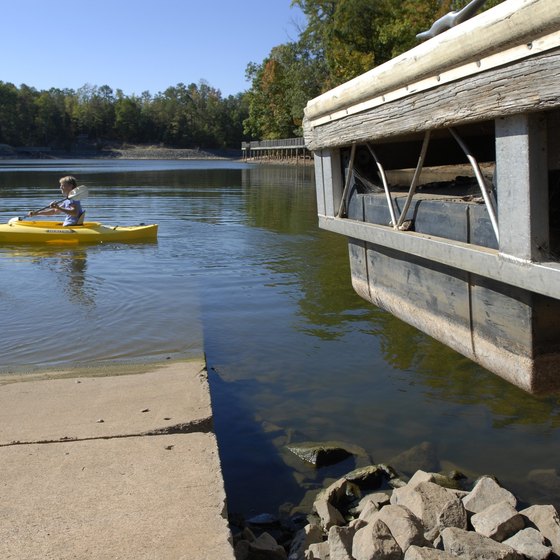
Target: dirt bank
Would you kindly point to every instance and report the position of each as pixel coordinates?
(126, 151)
(160, 152)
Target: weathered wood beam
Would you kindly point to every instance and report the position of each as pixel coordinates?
(540, 278)
(527, 86)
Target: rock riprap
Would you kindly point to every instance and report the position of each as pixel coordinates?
(424, 519)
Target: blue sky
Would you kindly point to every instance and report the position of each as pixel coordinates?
(139, 45)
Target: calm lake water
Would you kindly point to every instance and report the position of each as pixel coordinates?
(241, 273)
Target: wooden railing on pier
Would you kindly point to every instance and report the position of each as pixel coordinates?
(282, 149)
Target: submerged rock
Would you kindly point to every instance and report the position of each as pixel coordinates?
(321, 454)
(420, 457)
(372, 476)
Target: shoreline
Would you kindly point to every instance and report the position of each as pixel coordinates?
(122, 152)
(143, 152)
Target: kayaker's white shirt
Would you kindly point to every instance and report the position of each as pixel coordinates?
(71, 220)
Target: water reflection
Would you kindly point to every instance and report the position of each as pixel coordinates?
(448, 376)
(69, 268)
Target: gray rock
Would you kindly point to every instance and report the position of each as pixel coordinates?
(336, 493)
(319, 454)
(487, 492)
(340, 543)
(498, 521)
(422, 456)
(372, 476)
(375, 542)
(459, 493)
(420, 476)
(328, 514)
(530, 543)
(436, 478)
(422, 553)
(453, 514)
(405, 527)
(372, 501)
(265, 547)
(471, 545)
(436, 506)
(308, 535)
(369, 513)
(319, 551)
(357, 524)
(547, 521)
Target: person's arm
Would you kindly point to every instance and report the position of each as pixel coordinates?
(56, 208)
(45, 212)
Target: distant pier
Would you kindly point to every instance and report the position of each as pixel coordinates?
(292, 149)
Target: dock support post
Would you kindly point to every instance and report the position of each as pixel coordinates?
(328, 178)
(522, 171)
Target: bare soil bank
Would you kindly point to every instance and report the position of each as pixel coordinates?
(159, 152)
(126, 151)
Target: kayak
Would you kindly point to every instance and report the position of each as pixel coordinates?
(29, 231)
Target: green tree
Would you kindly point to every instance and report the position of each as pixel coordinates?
(52, 122)
(26, 110)
(204, 114)
(128, 118)
(9, 128)
(94, 112)
(281, 86)
(234, 111)
(171, 115)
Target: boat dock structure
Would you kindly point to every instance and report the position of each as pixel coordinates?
(293, 149)
(115, 463)
(442, 167)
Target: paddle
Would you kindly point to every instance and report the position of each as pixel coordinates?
(79, 193)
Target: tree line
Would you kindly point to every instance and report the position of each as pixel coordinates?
(182, 116)
(341, 39)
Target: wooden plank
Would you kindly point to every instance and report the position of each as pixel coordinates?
(541, 278)
(529, 86)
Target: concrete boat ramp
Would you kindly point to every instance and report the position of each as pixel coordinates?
(111, 466)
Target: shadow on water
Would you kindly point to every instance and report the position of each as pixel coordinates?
(255, 475)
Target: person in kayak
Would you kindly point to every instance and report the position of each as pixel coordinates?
(70, 207)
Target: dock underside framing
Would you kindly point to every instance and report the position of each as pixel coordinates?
(473, 262)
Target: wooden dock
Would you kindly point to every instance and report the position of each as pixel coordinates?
(472, 257)
(287, 149)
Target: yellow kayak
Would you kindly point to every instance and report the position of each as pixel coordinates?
(24, 231)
